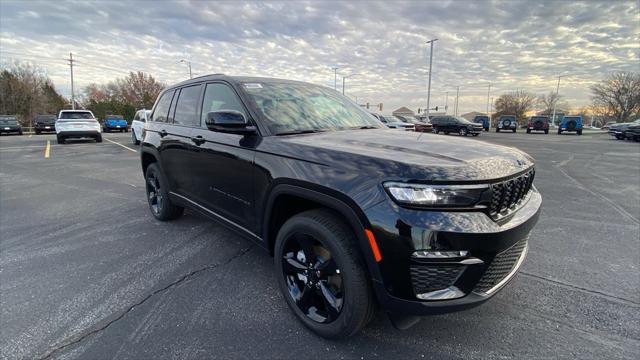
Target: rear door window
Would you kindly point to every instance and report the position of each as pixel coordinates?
(160, 114)
(187, 111)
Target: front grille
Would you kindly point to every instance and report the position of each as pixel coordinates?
(433, 277)
(507, 195)
(501, 266)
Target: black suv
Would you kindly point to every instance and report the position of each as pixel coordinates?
(44, 123)
(355, 214)
(455, 124)
(507, 122)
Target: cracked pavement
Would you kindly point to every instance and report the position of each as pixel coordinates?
(86, 272)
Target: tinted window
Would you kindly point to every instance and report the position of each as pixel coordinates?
(161, 110)
(220, 97)
(76, 115)
(187, 106)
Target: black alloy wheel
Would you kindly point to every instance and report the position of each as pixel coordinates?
(158, 196)
(313, 278)
(463, 132)
(322, 275)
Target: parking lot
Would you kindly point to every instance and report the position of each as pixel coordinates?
(86, 271)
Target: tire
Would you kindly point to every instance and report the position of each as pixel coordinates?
(546, 131)
(436, 131)
(463, 132)
(497, 130)
(619, 137)
(159, 203)
(475, 134)
(134, 139)
(126, 130)
(514, 130)
(38, 132)
(579, 132)
(559, 131)
(105, 130)
(99, 138)
(20, 132)
(446, 133)
(528, 131)
(60, 139)
(322, 229)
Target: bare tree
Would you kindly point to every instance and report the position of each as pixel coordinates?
(619, 95)
(516, 103)
(25, 90)
(553, 99)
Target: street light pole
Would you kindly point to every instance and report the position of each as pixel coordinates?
(446, 103)
(488, 93)
(429, 83)
(553, 118)
(189, 64)
(335, 78)
(457, 95)
(344, 78)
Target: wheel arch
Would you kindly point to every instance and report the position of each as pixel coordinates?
(305, 198)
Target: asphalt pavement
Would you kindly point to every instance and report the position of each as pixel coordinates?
(87, 273)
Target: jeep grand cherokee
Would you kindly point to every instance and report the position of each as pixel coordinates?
(355, 214)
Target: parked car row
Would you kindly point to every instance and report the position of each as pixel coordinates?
(629, 131)
(70, 122)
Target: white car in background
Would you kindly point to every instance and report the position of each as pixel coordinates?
(138, 124)
(77, 124)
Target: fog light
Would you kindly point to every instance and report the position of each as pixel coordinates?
(437, 254)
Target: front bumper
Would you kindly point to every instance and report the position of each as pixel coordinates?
(9, 129)
(417, 286)
(114, 127)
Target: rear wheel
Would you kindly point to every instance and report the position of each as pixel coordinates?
(158, 195)
(579, 132)
(546, 131)
(60, 139)
(514, 130)
(559, 131)
(528, 131)
(37, 132)
(321, 274)
(99, 138)
(497, 129)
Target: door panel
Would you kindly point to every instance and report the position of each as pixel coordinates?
(225, 162)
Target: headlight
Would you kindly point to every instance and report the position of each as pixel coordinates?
(435, 195)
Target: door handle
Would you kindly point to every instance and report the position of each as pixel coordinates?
(198, 140)
(163, 133)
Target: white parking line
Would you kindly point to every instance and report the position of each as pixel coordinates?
(124, 146)
(47, 150)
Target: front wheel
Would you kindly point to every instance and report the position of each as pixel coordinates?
(321, 274)
(134, 139)
(546, 131)
(559, 131)
(158, 195)
(463, 132)
(579, 132)
(514, 130)
(497, 130)
(99, 138)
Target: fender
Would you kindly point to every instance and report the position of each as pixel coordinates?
(332, 200)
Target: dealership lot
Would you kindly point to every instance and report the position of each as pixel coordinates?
(86, 272)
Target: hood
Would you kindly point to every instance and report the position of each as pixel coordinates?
(399, 155)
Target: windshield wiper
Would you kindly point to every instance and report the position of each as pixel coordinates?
(297, 132)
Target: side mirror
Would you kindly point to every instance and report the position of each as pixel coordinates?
(228, 121)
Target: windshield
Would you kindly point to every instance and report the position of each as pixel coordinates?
(76, 115)
(390, 119)
(290, 107)
(462, 120)
(8, 121)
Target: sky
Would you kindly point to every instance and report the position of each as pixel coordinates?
(511, 45)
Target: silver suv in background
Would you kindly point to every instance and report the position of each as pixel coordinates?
(137, 125)
(77, 124)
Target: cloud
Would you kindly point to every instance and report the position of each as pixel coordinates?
(512, 45)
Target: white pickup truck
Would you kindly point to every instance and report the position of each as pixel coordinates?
(138, 124)
(77, 124)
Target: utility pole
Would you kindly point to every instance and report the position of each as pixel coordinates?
(488, 93)
(73, 99)
(457, 95)
(429, 83)
(446, 102)
(335, 79)
(553, 118)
